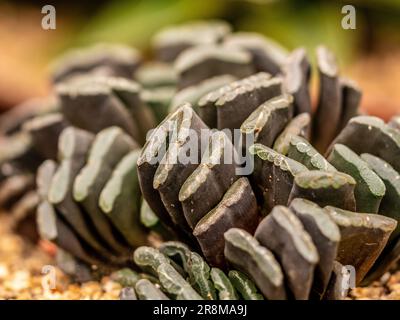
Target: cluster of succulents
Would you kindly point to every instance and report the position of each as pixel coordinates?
(25, 143)
(324, 191)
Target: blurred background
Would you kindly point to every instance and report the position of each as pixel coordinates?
(370, 54)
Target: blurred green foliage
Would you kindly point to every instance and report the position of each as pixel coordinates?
(293, 23)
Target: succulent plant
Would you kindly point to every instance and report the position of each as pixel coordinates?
(28, 136)
(323, 193)
(30, 132)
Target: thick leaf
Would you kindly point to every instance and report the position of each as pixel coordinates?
(107, 150)
(369, 189)
(194, 93)
(125, 277)
(44, 175)
(93, 106)
(244, 286)
(159, 100)
(325, 188)
(338, 284)
(327, 118)
(148, 291)
(172, 40)
(177, 251)
(74, 145)
(129, 93)
(268, 56)
(202, 62)
(298, 126)
(208, 110)
(302, 151)
(106, 59)
(199, 273)
(283, 233)
(207, 184)
(237, 209)
(223, 285)
(174, 284)
(365, 134)
(266, 122)
(127, 293)
(120, 200)
(147, 217)
(149, 259)
(13, 188)
(357, 230)
(53, 229)
(23, 216)
(156, 74)
(387, 260)
(190, 133)
(351, 98)
(44, 131)
(273, 176)
(245, 96)
(325, 235)
(297, 73)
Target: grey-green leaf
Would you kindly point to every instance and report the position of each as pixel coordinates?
(223, 285)
(244, 286)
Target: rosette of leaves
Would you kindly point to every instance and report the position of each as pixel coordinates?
(305, 211)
